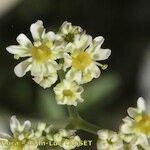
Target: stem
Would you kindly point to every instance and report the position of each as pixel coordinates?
(86, 126)
(76, 122)
(73, 113)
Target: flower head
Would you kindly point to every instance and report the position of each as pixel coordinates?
(136, 127)
(138, 121)
(82, 58)
(41, 54)
(44, 132)
(68, 32)
(21, 136)
(67, 139)
(109, 140)
(68, 92)
(46, 81)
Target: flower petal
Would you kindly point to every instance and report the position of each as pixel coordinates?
(74, 75)
(98, 40)
(82, 41)
(14, 124)
(101, 54)
(46, 81)
(27, 126)
(18, 50)
(24, 41)
(132, 112)
(37, 30)
(23, 67)
(141, 104)
(5, 136)
(50, 36)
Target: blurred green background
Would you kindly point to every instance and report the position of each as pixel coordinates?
(125, 25)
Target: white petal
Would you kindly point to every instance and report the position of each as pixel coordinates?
(19, 50)
(132, 112)
(103, 134)
(24, 41)
(27, 125)
(74, 75)
(37, 30)
(70, 48)
(50, 36)
(101, 54)
(67, 61)
(83, 41)
(141, 104)
(46, 81)
(126, 129)
(14, 124)
(95, 71)
(98, 40)
(23, 67)
(65, 27)
(5, 136)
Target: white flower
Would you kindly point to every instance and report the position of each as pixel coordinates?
(41, 54)
(136, 127)
(68, 32)
(67, 139)
(68, 92)
(138, 121)
(44, 132)
(82, 57)
(109, 140)
(22, 135)
(47, 80)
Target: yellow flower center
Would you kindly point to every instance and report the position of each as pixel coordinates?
(81, 61)
(68, 93)
(42, 53)
(143, 124)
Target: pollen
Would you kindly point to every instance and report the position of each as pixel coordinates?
(68, 93)
(142, 125)
(41, 54)
(81, 61)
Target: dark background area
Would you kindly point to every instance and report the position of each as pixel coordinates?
(125, 25)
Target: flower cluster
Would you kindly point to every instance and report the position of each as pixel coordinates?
(22, 134)
(134, 133)
(25, 138)
(69, 51)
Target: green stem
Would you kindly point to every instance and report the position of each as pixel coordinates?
(76, 122)
(73, 113)
(86, 126)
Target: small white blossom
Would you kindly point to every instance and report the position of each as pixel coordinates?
(68, 32)
(82, 58)
(67, 139)
(109, 140)
(41, 54)
(21, 136)
(136, 126)
(43, 132)
(138, 121)
(46, 81)
(68, 93)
